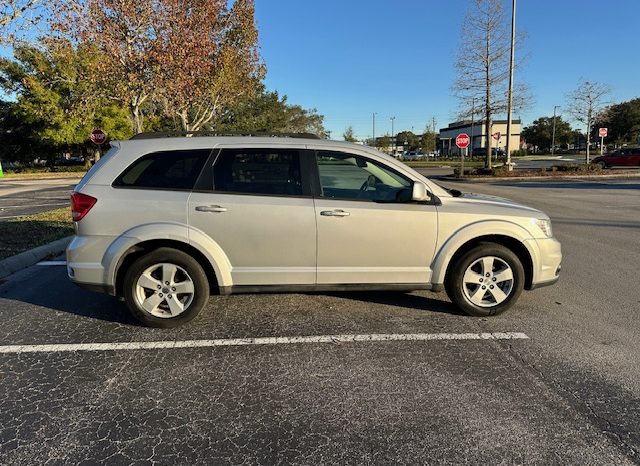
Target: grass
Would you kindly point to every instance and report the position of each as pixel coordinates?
(23, 233)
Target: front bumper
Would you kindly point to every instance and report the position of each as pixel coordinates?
(547, 267)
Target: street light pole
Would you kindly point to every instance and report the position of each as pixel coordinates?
(553, 137)
(374, 128)
(393, 146)
(510, 104)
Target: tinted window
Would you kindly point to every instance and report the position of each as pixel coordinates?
(348, 176)
(178, 169)
(258, 171)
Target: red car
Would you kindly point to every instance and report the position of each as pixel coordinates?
(625, 157)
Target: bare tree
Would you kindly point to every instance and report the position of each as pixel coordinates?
(482, 64)
(17, 15)
(586, 104)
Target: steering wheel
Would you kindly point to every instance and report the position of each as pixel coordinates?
(370, 182)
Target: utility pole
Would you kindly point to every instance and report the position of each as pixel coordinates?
(393, 146)
(374, 129)
(510, 104)
(473, 114)
(553, 137)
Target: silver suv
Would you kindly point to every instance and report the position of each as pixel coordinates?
(165, 221)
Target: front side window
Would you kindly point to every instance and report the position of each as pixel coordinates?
(258, 171)
(175, 169)
(349, 176)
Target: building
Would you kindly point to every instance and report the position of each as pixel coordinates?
(478, 132)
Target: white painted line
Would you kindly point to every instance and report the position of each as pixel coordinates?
(51, 263)
(151, 345)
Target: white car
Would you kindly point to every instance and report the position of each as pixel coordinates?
(165, 221)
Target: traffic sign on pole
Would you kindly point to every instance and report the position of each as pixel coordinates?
(463, 140)
(98, 137)
(602, 132)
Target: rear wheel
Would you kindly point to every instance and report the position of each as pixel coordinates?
(602, 164)
(486, 281)
(165, 288)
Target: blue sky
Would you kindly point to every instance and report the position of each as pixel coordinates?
(350, 58)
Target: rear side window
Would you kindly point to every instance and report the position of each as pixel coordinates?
(258, 171)
(175, 169)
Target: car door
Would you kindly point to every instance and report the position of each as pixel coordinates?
(256, 204)
(369, 230)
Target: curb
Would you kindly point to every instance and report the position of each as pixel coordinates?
(62, 176)
(551, 179)
(28, 258)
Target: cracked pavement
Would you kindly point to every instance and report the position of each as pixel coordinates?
(568, 395)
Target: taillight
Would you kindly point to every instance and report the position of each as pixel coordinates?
(81, 204)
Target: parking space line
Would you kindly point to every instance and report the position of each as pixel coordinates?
(154, 345)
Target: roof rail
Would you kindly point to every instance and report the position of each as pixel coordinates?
(177, 134)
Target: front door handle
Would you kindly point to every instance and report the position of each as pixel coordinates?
(210, 208)
(335, 213)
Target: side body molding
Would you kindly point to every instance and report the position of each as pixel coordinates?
(167, 231)
(473, 231)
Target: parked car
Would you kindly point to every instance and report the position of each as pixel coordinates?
(413, 155)
(625, 157)
(165, 221)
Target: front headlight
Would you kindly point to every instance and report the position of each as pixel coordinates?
(545, 225)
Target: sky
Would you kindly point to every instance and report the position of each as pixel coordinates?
(350, 58)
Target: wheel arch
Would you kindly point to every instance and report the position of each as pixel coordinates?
(143, 239)
(502, 233)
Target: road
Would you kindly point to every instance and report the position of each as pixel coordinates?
(27, 197)
(569, 393)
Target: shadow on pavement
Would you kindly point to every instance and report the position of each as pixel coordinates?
(401, 299)
(57, 293)
(601, 185)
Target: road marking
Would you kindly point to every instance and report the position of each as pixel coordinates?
(152, 345)
(51, 263)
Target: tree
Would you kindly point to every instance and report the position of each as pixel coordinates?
(482, 64)
(623, 122)
(383, 143)
(586, 104)
(210, 59)
(128, 33)
(270, 113)
(428, 140)
(407, 138)
(540, 132)
(57, 104)
(16, 16)
(348, 135)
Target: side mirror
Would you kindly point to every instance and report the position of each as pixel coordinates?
(420, 193)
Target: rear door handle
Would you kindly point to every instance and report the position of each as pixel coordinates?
(210, 208)
(335, 213)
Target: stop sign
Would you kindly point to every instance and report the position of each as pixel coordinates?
(463, 140)
(98, 136)
(603, 132)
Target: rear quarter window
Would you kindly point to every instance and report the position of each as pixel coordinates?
(176, 169)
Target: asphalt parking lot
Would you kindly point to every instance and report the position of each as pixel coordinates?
(556, 380)
(28, 197)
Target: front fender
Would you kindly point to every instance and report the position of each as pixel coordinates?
(472, 232)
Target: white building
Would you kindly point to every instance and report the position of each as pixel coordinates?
(478, 132)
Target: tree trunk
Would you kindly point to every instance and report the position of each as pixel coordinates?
(136, 118)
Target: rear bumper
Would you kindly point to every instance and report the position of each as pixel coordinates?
(84, 266)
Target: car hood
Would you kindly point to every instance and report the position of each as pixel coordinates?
(501, 202)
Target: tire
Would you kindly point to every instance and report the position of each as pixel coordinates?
(603, 165)
(503, 282)
(153, 285)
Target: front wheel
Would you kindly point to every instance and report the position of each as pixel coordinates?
(602, 165)
(486, 281)
(165, 288)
